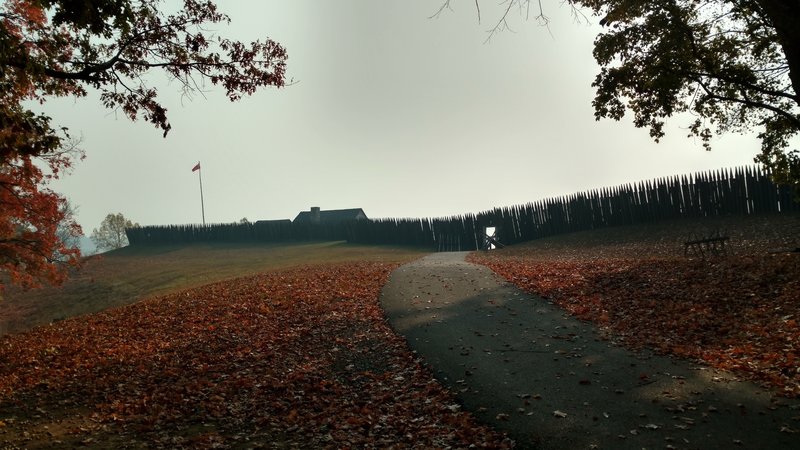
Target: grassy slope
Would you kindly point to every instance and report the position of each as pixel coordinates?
(129, 274)
(295, 358)
(124, 276)
(748, 235)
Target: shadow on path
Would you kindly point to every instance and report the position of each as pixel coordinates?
(526, 367)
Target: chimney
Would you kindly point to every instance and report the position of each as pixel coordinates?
(315, 214)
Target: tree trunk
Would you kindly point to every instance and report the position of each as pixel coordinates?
(785, 17)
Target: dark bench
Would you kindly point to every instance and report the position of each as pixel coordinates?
(713, 244)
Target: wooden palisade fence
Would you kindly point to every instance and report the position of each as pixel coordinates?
(741, 191)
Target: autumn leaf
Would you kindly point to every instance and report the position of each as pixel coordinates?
(736, 313)
(301, 357)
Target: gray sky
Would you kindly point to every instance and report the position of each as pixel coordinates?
(391, 111)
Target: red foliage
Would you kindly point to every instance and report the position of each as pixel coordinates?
(30, 213)
(60, 48)
(108, 46)
(303, 357)
(737, 313)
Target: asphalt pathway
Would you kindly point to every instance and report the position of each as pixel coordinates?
(550, 381)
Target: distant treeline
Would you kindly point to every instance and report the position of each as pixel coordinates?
(741, 191)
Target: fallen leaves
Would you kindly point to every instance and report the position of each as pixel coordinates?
(298, 358)
(738, 313)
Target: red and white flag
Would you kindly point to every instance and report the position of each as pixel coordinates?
(196, 167)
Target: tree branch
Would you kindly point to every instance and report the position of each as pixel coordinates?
(502, 23)
(745, 85)
(751, 103)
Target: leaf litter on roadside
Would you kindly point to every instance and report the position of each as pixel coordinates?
(738, 313)
(301, 357)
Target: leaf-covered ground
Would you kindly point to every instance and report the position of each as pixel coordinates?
(740, 312)
(294, 359)
(126, 275)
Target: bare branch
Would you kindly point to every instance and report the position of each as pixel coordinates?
(445, 5)
(502, 23)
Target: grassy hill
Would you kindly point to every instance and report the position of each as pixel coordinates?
(126, 275)
(749, 235)
(295, 356)
(241, 346)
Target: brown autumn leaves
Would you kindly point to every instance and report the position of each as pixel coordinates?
(299, 358)
(304, 357)
(739, 313)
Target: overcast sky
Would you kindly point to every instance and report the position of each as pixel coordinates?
(391, 111)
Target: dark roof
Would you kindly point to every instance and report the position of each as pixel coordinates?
(273, 221)
(333, 215)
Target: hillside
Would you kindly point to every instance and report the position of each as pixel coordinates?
(294, 355)
(749, 235)
(737, 311)
(126, 275)
(293, 358)
(300, 355)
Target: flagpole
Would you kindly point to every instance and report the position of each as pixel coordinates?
(202, 203)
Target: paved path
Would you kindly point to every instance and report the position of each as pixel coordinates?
(552, 382)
